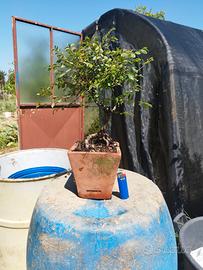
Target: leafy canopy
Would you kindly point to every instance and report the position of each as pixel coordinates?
(10, 83)
(2, 76)
(148, 12)
(96, 69)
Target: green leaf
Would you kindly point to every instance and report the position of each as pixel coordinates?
(145, 105)
(131, 76)
(95, 70)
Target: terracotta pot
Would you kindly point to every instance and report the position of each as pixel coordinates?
(94, 172)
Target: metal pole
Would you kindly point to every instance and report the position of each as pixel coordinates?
(51, 62)
(15, 53)
(17, 82)
(48, 26)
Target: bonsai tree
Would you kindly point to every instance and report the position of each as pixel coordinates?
(95, 70)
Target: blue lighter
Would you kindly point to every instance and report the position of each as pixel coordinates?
(122, 184)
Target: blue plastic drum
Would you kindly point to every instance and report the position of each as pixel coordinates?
(68, 232)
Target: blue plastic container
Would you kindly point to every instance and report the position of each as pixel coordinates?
(71, 233)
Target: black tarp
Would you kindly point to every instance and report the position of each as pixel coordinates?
(165, 143)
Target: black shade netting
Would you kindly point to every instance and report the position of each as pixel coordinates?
(165, 142)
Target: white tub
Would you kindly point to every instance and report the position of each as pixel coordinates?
(18, 198)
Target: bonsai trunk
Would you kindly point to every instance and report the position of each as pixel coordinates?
(95, 162)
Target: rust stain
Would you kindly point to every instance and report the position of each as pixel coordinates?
(50, 128)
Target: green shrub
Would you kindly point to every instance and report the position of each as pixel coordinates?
(10, 83)
(148, 12)
(8, 104)
(8, 136)
(97, 69)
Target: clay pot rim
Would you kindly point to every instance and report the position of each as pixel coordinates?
(71, 150)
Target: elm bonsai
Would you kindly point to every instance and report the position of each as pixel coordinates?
(95, 70)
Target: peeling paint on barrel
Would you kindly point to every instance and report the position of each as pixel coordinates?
(68, 232)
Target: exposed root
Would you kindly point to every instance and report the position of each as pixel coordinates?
(98, 142)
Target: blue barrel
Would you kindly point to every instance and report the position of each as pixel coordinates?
(68, 232)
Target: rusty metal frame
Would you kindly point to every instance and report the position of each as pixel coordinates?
(15, 53)
(24, 106)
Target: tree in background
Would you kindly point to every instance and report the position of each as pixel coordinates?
(2, 77)
(148, 12)
(10, 83)
(2, 81)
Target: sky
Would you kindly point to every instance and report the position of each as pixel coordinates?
(77, 14)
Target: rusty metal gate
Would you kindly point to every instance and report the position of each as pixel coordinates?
(39, 124)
